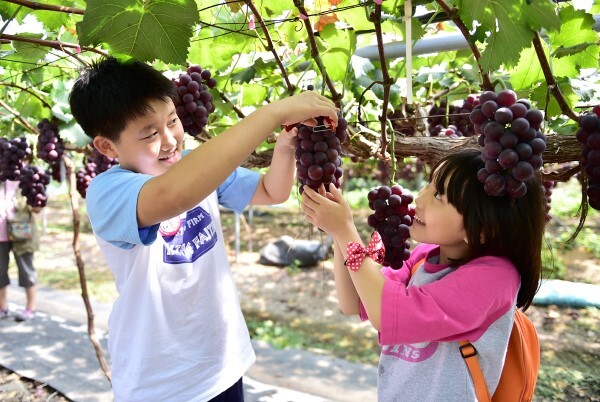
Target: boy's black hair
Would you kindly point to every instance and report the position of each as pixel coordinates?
(496, 226)
(111, 93)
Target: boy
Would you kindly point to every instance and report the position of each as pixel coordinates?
(176, 331)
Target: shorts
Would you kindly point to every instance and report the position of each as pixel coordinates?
(27, 274)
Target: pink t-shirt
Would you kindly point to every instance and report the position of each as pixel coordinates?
(7, 208)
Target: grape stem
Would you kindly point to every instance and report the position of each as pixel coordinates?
(270, 46)
(387, 82)
(452, 13)
(550, 79)
(314, 52)
(18, 116)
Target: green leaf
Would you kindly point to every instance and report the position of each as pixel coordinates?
(356, 18)
(539, 96)
(54, 21)
(576, 28)
(146, 30)
(527, 72)
(253, 94)
(244, 76)
(276, 7)
(540, 14)
(341, 44)
(509, 24)
(29, 52)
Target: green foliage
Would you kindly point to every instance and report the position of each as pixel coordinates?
(145, 30)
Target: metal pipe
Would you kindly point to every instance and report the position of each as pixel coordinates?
(435, 44)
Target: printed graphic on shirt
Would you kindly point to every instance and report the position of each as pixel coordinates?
(195, 237)
(415, 353)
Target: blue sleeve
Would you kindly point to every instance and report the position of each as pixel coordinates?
(112, 208)
(238, 189)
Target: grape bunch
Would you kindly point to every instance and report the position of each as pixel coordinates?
(402, 121)
(588, 135)
(93, 166)
(32, 182)
(318, 153)
(194, 101)
(392, 217)
(456, 123)
(50, 146)
(12, 154)
(459, 120)
(512, 142)
(437, 118)
(547, 186)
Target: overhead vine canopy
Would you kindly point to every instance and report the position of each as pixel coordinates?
(546, 51)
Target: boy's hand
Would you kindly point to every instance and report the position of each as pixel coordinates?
(302, 107)
(327, 211)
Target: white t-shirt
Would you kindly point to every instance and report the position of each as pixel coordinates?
(176, 331)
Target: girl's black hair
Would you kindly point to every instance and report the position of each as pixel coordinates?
(496, 226)
(111, 93)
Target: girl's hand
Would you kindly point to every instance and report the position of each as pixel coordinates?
(287, 139)
(327, 211)
(302, 107)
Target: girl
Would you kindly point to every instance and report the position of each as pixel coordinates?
(480, 258)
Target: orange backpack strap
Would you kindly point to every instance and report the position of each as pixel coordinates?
(469, 353)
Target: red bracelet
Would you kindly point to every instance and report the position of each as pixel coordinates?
(357, 253)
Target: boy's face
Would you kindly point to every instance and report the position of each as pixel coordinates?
(150, 144)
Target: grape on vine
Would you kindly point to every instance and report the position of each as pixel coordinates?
(392, 216)
(509, 132)
(194, 102)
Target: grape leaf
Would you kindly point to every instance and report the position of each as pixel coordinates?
(54, 21)
(576, 28)
(341, 44)
(145, 30)
(253, 94)
(509, 24)
(527, 72)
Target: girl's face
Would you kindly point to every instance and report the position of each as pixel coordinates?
(150, 144)
(437, 222)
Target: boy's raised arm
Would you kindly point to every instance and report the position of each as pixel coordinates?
(194, 177)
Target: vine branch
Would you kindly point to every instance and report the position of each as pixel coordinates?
(55, 44)
(18, 116)
(70, 167)
(550, 79)
(452, 13)
(35, 5)
(271, 47)
(29, 91)
(314, 52)
(376, 19)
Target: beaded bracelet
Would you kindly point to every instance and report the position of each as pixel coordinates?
(357, 253)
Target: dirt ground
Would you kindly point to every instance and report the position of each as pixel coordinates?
(304, 298)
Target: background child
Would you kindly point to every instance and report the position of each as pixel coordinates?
(176, 330)
(482, 258)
